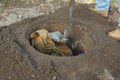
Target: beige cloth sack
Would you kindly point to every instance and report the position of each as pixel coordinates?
(42, 42)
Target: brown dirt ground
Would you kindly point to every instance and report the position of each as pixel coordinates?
(20, 61)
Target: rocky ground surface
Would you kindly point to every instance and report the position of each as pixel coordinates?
(13, 11)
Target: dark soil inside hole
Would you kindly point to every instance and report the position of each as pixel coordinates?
(77, 49)
(100, 61)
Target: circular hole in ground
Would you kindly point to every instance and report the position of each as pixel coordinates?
(80, 41)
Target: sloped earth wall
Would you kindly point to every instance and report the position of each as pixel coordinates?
(20, 61)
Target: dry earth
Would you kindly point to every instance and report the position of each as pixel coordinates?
(12, 11)
(99, 61)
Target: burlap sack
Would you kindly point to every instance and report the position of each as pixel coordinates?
(41, 41)
(63, 50)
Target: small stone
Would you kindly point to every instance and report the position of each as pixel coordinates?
(54, 78)
(19, 16)
(5, 52)
(8, 39)
(13, 45)
(5, 13)
(109, 20)
(33, 75)
(27, 2)
(9, 77)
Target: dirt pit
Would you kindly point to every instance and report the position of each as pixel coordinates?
(96, 56)
(77, 41)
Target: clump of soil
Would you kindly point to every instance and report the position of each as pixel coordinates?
(99, 61)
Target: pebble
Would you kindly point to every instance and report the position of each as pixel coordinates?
(19, 16)
(5, 52)
(54, 78)
(9, 77)
(109, 20)
(33, 75)
(27, 2)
